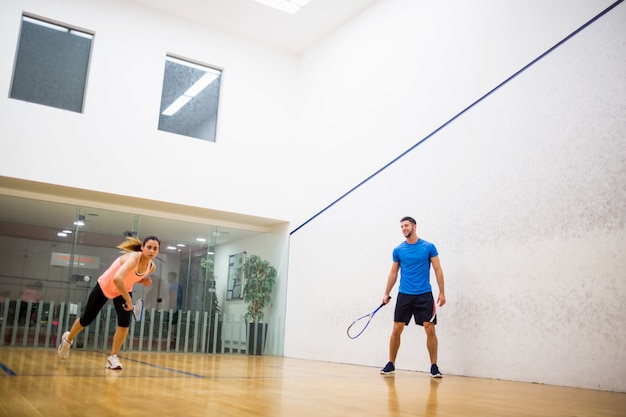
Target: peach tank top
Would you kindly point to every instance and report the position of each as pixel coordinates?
(107, 282)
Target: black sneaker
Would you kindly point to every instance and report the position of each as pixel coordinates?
(388, 369)
(434, 371)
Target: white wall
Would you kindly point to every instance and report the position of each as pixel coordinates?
(115, 147)
(524, 195)
(401, 69)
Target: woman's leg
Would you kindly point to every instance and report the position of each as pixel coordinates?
(118, 339)
(95, 302)
(75, 329)
(123, 323)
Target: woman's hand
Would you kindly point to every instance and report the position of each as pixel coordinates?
(146, 282)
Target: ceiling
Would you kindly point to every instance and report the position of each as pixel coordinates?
(251, 20)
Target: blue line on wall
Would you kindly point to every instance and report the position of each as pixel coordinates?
(531, 63)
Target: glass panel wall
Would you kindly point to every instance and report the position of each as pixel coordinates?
(52, 254)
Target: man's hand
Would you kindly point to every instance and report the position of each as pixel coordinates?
(441, 300)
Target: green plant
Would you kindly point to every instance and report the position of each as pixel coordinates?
(260, 277)
(210, 301)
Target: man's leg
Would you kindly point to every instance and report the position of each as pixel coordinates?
(431, 341)
(394, 345)
(432, 345)
(394, 340)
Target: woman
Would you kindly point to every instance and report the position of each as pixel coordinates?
(116, 284)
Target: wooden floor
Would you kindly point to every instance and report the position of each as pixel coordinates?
(35, 382)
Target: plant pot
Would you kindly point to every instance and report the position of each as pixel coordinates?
(257, 336)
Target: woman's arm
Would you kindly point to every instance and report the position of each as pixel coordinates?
(129, 263)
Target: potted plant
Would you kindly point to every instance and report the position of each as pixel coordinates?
(211, 304)
(259, 277)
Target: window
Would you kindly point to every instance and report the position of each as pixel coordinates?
(51, 64)
(189, 99)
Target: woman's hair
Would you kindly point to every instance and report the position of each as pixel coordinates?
(132, 244)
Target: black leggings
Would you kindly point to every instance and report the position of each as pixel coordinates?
(97, 300)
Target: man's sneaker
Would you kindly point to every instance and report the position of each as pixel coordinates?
(113, 362)
(64, 346)
(434, 371)
(388, 369)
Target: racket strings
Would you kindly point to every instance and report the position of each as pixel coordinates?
(359, 326)
(138, 310)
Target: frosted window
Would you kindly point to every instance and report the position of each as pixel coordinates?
(51, 65)
(189, 99)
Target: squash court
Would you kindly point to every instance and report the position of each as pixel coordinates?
(35, 382)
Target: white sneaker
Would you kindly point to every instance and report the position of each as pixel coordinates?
(64, 346)
(113, 362)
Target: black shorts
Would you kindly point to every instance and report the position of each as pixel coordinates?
(421, 307)
(97, 300)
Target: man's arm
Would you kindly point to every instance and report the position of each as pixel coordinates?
(391, 281)
(441, 300)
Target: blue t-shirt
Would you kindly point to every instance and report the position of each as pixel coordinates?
(414, 260)
(175, 287)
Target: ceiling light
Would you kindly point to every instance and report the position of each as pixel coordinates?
(178, 104)
(62, 234)
(201, 84)
(288, 6)
(57, 27)
(201, 239)
(45, 24)
(193, 91)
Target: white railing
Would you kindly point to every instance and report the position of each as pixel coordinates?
(42, 324)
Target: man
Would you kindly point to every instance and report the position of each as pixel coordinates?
(176, 291)
(414, 257)
(176, 295)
